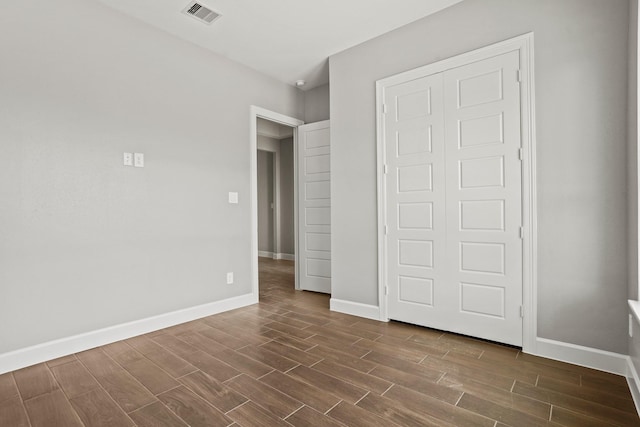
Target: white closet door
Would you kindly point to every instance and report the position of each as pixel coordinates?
(314, 204)
(453, 200)
(415, 188)
(484, 205)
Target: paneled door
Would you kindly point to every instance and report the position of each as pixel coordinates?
(314, 204)
(454, 200)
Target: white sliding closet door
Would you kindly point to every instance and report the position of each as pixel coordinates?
(454, 200)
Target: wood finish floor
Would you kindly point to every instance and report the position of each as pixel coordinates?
(290, 361)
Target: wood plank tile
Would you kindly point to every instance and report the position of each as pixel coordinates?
(601, 395)
(309, 318)
(501, 397)
(288, 320)
(12, 413)
(243, 363)
(404, 366)
(150, 376)
(311, 396)
(489, 378)
(290, 330)
(502, 414)
(305, 417)
(116, 348)
(211, 366)
(354, 416)
(8, 388)
(425, 405)
(223, 338)
(74, 378)
(252, 415)
(175, 345)
(269, 398)
(269, 358)
(431, 349)
(353, 330)
(355, 377)
(585, 407)
(192, 409)
(333, 385)
(128, 393)
(172, 364)
(288, 340)
(156, 415)
(52, 410)
(564, 417)
(388, 409)
(292, 353)
(214, 392)
(97, 409)
(393, 351)
(418, 383)
(344, 359)
(34, 381)
(336, 336)
(61, 360)
(338, 345)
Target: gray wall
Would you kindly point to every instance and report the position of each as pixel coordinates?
(287, 226)
(581, 84)
(316, 104)
(265, 198)
(86, 243)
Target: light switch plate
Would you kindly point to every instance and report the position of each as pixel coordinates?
(138, 160)
(230, 278)
(233, 197)
(128, 159)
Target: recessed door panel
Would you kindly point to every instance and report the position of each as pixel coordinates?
(415, 216)
(480, 131)
(415, 178)
(415, 253)
(413, 141)
(415, 290)
(487, 215)
(314, 207)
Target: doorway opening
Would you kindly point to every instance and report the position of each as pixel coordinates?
(276, 207)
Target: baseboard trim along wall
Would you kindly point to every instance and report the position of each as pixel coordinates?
(62, 347)
(355, 308)
(634, 383)
(272, 255)
(588, 357)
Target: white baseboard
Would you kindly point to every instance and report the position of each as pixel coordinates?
(634, 383)
(355, 308)
(62, 347)
(273, 255)
(607, 361)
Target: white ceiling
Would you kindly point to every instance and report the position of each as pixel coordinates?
(286, 39)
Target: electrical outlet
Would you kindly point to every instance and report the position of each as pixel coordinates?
(128, 159)
(233, 197)
(138, 160)
(229, 278)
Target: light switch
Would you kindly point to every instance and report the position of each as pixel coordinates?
(230, 278)
(128, 159)
(138, 160)
(233, 197)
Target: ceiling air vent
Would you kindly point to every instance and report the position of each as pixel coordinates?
(201, 13)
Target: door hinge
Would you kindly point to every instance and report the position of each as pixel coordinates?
(522, 312)
(521, 154)
(519, 76)
(386, 290)
(521, 232)
(384, 108)
(386, 230)
(385, 169)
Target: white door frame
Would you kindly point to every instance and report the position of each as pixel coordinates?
(255, 113)
(523, 44)
(275, 151)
